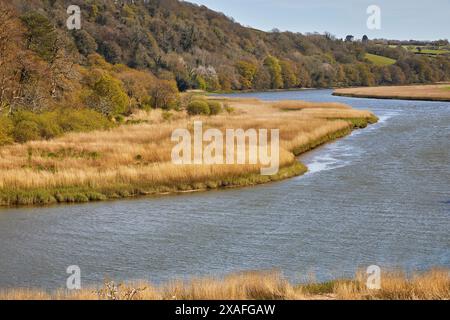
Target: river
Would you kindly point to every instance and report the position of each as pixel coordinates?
(380, 196)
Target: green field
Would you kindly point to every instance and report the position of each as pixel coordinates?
(380, 60)
(425, 50)
(430, 51)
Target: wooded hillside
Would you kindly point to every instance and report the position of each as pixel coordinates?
(140, 54)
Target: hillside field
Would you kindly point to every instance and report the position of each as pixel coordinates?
(380, 60)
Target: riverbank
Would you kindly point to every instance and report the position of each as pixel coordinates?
(431, 285)
(437, 92)
(135, 159)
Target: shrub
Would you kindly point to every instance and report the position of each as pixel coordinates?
(228, 108)
(48, 125)
(26, 130)
(119, 118)
(25, 126)
(164, 94)
(215, 107)
(167, 116)
(82, 120)
(6, 130)
(107, 96)
(46, 122)
(198, 107)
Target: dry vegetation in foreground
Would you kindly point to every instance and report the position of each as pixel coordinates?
(135, 159)
(432, 285)
(420, 92)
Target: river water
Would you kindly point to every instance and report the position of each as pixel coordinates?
(380, 196)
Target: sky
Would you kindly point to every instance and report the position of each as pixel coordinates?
(400, 19)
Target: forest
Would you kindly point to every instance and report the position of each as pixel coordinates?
(132, 55)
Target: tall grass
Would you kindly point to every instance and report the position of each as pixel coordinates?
(136, 158)
(397, 285)
(432, 285)
(414, 92)
(299, 105)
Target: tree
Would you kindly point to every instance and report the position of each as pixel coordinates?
(111, 51)
(273, 65)
(10, 50)
(247, 71)
(304, 77)
(23, 74)
(137, 85)
(107, 96)
(164, 95)
(85, 42)
(365, 39)
(386, 76)
(262, 79)
(41, 35)
(365, 76)
(288, 73)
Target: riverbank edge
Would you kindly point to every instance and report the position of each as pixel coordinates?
(432, 284)
(67, 195)
(388, 97)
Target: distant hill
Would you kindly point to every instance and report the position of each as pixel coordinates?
(203, 49)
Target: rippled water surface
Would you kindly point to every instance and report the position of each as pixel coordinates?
(380, 196)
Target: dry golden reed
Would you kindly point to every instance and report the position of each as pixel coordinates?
(432, 285)
(436, 92)
(138, 155)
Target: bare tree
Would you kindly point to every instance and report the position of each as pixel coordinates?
(10, 50)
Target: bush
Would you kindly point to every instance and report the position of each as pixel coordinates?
(215, 107)
(228, 108)
(167, 115)
(107, 95)
(48, 125)
(26, 130)
(82, 120)
(24, 126)
(46, 122)
(164, 95)
(198, 107)
(6, 130)
(119, 118)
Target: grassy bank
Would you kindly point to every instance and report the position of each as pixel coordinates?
(438, 92)
(135, 160)
(432, 285)
(120, 191)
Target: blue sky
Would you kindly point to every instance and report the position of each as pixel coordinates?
(400, 19)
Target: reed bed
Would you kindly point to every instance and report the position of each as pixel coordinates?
(135, 159)
(431, 285)
(300, 105)
(436, 92)
(397, 285)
